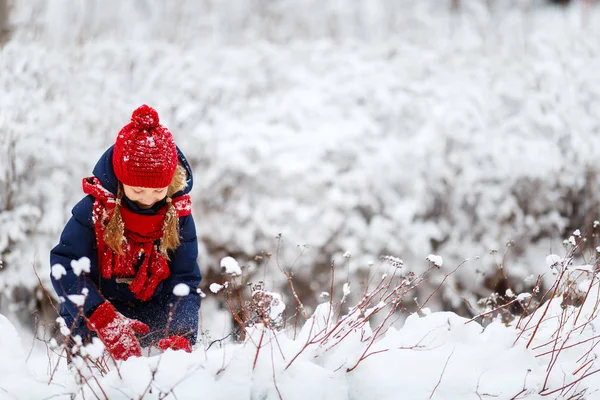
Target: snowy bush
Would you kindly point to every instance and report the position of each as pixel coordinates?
(425, 133)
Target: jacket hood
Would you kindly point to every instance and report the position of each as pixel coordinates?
(105, 173)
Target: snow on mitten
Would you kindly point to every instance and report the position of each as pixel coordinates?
(175, 342)
(117, 331)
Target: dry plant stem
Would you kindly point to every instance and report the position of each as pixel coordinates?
(439, 286)
(537, 283)
(262, 335)
(298, 302)
(525, 328)
(524, 389)
(546, 308)
(441, 375)
(492, 311)
(97, 383)
(374, 337)
(236, 316)
(273, 369)
(45, 291)
(289, 278)
(152, 377)
(589, 352)
(587, 364)
(575, 382)
(36, 324)
(278, 344)
(317, 338)
(555, 353)
(308, 342)
(331, 288)
(571, 345)
(501, 268)
(584, 300)
(383, 287)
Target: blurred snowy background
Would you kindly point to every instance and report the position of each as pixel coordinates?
(383, 127)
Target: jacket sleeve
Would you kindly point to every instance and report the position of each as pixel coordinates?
(184, 269)
(77, 240)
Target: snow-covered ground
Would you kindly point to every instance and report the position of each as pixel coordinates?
(435, 355)
(352, 129)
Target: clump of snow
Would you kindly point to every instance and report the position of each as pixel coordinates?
(181, 290)
(393, 261)
(78, 299)
(231, 266)
(523, 296)
(215, 287)
(553, 260)
(81, 265)
(95, 349)
(277, 306)
(435, 259)
(58, 271)
(64, 330)
(346, 289)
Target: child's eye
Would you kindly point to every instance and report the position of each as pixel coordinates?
(159, 190)
(136, 191)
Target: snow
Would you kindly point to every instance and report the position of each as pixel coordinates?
(584, 268)
(524, 296)
(553, 260)
(346, 289)
(435, 259)
(58, 271)
(81, 265)
(95, 349)
(181, 290)
(433, 355)
(215, 287)
(231, 266)
(78, 299)
(64, 330)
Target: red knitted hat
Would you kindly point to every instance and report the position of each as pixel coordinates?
(145, 154)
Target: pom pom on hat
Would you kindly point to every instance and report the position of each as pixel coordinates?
(145, 154)
(145, 117)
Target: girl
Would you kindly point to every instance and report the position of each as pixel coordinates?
(135, 226)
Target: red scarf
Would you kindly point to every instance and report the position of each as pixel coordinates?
(140, 233)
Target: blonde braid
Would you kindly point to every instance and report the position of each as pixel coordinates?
(170, 239)
(114, 231)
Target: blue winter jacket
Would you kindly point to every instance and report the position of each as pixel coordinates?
(78, 240)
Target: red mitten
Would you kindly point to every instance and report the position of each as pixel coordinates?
(117, 331)
(175, 342)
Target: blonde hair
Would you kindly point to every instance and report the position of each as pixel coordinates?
(114, 230)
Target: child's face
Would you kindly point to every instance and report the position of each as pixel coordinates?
(144, 198)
